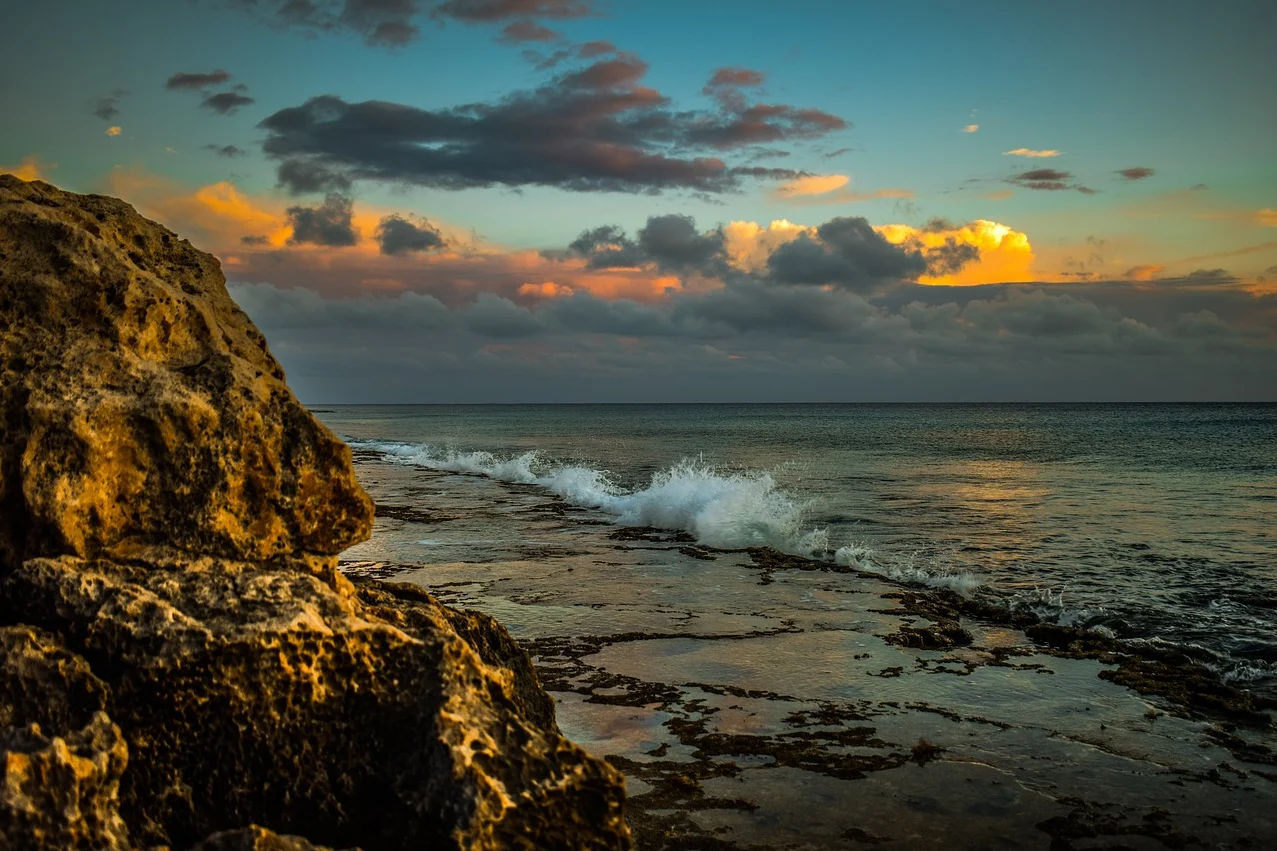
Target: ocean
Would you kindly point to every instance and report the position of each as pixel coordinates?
(867, 626)
(1153, 522)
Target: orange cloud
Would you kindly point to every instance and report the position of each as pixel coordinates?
(1005, 254)
(971, 128)
(1145, 273)
(999, 195)
(815, 184)
(829, 189)
(749, 244)
(114, 131)
(31, 168)
(548, 289)
(1267, 217)
(1029, 152)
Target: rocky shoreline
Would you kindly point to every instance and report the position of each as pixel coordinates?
(182, 663)
(757, 700)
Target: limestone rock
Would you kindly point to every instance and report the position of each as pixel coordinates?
(255, 838)
(170, 603)
(259, 694)
(60, 792)
(140, 405)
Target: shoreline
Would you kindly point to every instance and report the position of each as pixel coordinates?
(696, 714)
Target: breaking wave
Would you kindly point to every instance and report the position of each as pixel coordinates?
(723, 509)
(906, 569)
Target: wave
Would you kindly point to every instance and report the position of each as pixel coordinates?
(723, 509)
(906, 570)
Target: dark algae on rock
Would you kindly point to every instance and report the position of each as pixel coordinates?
(181, 663)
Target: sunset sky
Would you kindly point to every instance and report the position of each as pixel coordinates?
(578, 200)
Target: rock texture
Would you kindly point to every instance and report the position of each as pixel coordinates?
(181, 664)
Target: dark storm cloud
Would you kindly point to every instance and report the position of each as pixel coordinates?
(108, 106)
(1137, 173)
(196, 81)
(226, 103)
(675, 244)
(494, 316)
(750, 306)
(764, 338)
(397, 235)
(670, 242)
(593, 128)
(303, 176)
(228, 151)
(521, 32)
(846, 252)
(1048, 179)
(331, 223)
(607, 247)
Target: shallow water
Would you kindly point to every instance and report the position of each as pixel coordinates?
(766, 707)
(1154, 521)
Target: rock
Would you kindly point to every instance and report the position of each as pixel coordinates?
(260, 694)
(255, 838)
(180, 660)
(140, 405)
(60, 792)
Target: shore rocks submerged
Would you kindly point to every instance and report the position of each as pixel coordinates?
(181, 664)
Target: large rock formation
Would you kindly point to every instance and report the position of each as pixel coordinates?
(181, 663)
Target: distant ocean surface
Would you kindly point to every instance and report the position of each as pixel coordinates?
(1155, 522)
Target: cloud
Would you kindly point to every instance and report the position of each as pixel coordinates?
(844, 252)
(978, 252)
(394, 23)
(813, 184)
(328, 224)
(1028, 152)
(595, 128)
(1136, 173)
(766, 341)
(1048, 179)
(226, 103)
(1267, 217)
(497, 10)
(195, 81)
(819, 189)
(669, 242)
(108, 106)
(837, 153)
(114, 130)
(521, 32)
(1146, 272)
(998, 195)
(971, 128)
(228, 151)
(397, 235)
(31, 168)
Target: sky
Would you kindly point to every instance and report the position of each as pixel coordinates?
(624, 201)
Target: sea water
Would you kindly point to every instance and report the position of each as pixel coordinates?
(1150, 522)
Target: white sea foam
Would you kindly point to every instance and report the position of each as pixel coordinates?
(906, 569)
(720, 508)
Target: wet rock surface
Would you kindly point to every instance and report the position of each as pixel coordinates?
(759, 700)
(181, 663)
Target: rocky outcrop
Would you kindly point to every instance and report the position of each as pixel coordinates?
(181, 664)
